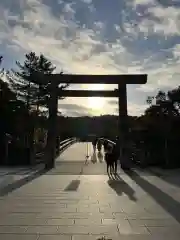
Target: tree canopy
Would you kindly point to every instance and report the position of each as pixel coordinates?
(30, 90)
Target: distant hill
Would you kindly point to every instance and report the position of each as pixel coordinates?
(105, 125)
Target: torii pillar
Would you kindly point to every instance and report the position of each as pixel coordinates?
(50, 151)
(123, 125)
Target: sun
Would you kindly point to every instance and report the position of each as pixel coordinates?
(96, 104)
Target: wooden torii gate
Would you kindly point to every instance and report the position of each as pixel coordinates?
(120, 93)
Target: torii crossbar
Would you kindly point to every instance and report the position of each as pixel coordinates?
(120, 92)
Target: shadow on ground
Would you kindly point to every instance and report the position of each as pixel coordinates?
(120, 186)
(170, 176)
(73, 186)
(166, 201)
(21, 182)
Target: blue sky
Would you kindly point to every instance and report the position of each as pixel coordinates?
(97, 37)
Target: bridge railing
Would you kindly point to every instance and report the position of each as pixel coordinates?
(109, 141)
(62, 146)
(65, 143)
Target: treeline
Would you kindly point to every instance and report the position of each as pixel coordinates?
(24, 103)
(156, 138)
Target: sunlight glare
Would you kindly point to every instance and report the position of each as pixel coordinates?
(96, 103)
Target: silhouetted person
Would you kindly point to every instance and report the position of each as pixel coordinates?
(100, 157)
(105, 145)
(109, 160)
(99, 145)
(115, 154)
(94, 158)
(94, 143)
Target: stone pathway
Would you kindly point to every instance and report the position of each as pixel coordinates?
(51, 206)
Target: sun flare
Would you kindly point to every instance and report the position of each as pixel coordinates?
(96, 104)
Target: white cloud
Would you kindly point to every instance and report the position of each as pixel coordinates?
(79, 49)
(136, 109)
(176, 51)
(69, 11)
(87, 1)
(60, 1)
(99, 24)
(166, 76)
(133, 108)
(163, 20)
(142, 2)
(73, 109)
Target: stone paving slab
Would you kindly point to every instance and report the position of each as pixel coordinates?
(135, 205)
(41, 209)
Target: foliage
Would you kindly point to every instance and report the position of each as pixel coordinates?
(161, 121)
(32, 91)
(10, 107)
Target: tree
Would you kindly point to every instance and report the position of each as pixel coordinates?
(31, 90)
(174, 97)
(10, 107)
(166, 104)
(13, 119)
(163, 117)
(149, 100)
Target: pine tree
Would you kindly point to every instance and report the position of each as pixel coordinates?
(32, 92)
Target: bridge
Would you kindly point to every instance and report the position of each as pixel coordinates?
(79, 158)
(77, 200)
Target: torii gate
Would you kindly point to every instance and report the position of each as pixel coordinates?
(120, 93)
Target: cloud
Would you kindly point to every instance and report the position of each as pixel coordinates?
(72, 109)
(167, 21)
(113, 102)
(136, 110)
(87, 1)
(133, 109)
(132, 36)
(70, 106)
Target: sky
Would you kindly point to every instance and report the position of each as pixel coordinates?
(97, 37)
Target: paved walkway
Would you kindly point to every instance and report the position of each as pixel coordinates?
(80, 159)
(137, 205)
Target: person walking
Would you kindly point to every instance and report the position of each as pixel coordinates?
(94, 143)
(99, 145)
(115, 154)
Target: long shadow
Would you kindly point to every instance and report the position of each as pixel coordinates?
(167, 202)
(173, 178)
(120, 186)
(19, 183)
(73, 186)
(11, 170)
(10, 173)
